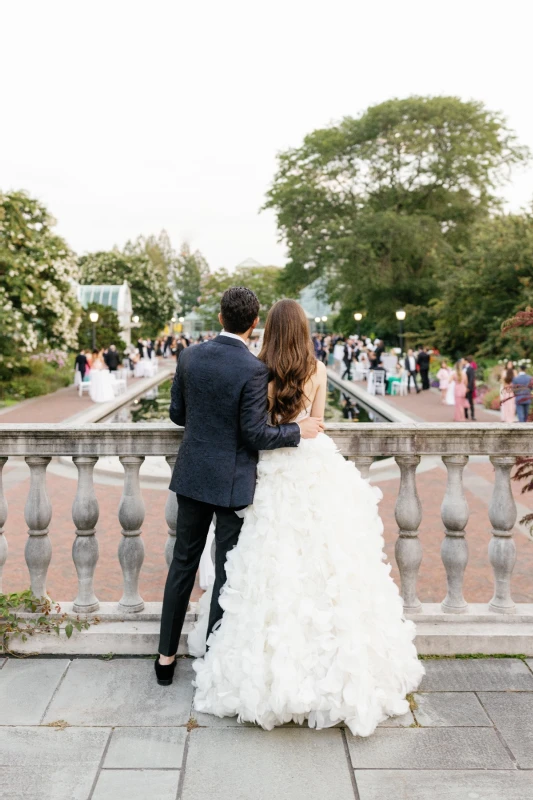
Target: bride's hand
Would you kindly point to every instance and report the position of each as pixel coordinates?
(311, 427)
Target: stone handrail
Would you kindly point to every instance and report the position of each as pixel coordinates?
(361, 443)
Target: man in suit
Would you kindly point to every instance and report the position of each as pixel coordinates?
(423, 363)
(470, 386)
(113, 359)
(410, 366)
(80, 364)
(220, 396)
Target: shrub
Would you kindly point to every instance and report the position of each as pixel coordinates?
(491, 400)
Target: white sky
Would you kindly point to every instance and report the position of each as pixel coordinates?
(126, 117)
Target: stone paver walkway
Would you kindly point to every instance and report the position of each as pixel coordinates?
(91, 729)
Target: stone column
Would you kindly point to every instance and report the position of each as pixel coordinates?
(85, 546)
(171, 516)
(408, 514)
(454, 548)
(502, 550)
(363, 464)
(131, 548)
(3, 518)
(38, 513)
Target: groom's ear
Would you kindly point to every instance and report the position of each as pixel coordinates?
(221, 320)
(255, 323)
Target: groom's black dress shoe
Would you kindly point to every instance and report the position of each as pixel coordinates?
(164, 672)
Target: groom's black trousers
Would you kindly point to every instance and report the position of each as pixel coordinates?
(194, 519)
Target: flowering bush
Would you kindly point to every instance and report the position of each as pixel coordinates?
(38, 307)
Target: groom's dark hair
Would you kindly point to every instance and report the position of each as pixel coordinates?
(239, 307)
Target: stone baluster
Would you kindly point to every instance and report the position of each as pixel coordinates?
(454, 548)
(502, 550)
(85, 546)
(3, 518)
(171, 516)
(38, 513)
(131, 548)
(363, 464)
(408, 514)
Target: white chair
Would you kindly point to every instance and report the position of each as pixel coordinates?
(380, 383)
(400, 387)
(119, 384)
(84, 386)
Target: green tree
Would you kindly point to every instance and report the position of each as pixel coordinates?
(38, 307)
(151, 296)
(492, 281)
(158, 249)
(107, 329)
(190, 271)
(264, 281)
(380, 203)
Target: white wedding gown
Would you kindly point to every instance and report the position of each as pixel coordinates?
(313, 624)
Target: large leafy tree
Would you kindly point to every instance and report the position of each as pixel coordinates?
(493, 280)
(158, 249)
(264, 281)
(38, 307)
(190, 270)
(380, 203)
(151, 296)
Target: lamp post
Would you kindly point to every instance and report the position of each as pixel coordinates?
(400, 316)
(93, 316)
(358, 317)
(317, 322)
(324, 320)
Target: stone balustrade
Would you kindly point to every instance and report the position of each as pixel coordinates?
(406, 443)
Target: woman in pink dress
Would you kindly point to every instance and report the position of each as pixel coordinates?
(459, 380)
(507, 397)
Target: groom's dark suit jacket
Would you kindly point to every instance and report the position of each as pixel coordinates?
(219, 394)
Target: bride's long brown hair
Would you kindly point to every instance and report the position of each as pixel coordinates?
(289, 355)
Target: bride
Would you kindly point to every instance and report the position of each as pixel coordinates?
(313, 625)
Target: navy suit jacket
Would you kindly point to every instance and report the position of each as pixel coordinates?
(220, 395)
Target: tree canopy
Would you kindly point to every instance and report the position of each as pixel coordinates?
(264, 281)
(38, 307)
(190, 271)
(381, 203)
(151, 296)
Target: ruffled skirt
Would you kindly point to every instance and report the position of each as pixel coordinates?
(313, 625)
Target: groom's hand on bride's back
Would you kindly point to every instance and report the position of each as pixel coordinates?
(311, 427)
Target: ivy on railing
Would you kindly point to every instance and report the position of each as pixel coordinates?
(14, 622)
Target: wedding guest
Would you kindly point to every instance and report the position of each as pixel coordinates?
(507, 397)
(410, 366)
(522, 391)
(470, 386)
(113, 359)
(459, 380)
(338, 355)
(347, 360)
(443, 377)
(81, 364)
(423, 364)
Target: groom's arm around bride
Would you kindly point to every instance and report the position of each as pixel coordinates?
(220, 396)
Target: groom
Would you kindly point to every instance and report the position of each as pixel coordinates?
(219, 394)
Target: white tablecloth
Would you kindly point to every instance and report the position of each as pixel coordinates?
(101, 388)
(145, 368)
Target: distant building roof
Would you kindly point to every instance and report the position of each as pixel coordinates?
(313, 299)
(117, 297)
(249, 262)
